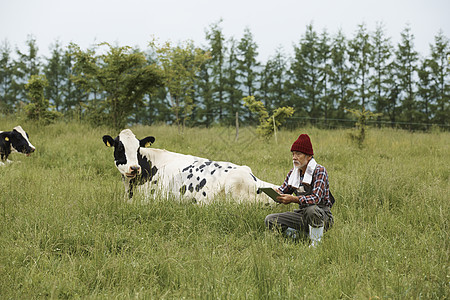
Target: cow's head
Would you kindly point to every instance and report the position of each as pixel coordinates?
(18, 139)
(126, 148)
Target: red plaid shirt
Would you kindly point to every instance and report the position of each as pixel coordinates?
(320, 194)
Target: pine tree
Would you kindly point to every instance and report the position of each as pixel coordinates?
(248, 64)
(360, 52)
(341, 76)
(272, 79)
(205, 105)
(425, 92)
(56, 75)
(439, 68)
(7, 93)
(75, 97)
(305, 71)
(28, 64)
(382, 70)
(217, 51)
(232, 84)
(324, 56)
(406, 68)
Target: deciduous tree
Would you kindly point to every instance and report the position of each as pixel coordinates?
(180, 65)
(123, 75)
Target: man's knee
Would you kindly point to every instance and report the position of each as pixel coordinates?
(315, 216)
(270, 220)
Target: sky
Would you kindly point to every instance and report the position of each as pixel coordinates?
(275, 24)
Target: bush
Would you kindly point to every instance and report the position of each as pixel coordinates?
(38, 108)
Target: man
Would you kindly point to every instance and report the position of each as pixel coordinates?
(308, 181)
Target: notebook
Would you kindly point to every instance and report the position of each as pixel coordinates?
(271, 193)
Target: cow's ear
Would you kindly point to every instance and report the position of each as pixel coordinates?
(146, 142)
(108, 140)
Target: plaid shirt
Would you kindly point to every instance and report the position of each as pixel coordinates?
(320, 194)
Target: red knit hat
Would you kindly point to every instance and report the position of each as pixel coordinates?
(303, 145)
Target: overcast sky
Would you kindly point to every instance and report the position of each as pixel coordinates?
(274, 24)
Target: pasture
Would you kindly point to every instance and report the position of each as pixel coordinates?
(66, 231)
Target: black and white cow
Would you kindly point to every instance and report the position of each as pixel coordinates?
(148, 169)
(14, 141)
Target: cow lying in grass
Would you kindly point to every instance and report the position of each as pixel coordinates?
(14, 141)
(179, 175)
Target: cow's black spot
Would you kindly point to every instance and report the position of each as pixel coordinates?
(119, 152)
(202, 166)
(202, 183)
(198, 178)
(199, 186)
(212, 172)
(191, 188)
(154, 171)
(254, 178)
(190, 171)
(226, 170)
(155, 181)
(188, 168)
(183, 189)
(216, 164)
(190, 176)
(147, 173)
(196, 170)
(229, 167)
(204, 194)
(208, 163)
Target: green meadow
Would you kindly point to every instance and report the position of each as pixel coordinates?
(66, 231)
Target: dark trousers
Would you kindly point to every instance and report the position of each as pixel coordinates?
(300, 219)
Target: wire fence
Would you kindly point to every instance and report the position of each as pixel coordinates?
(349, 123)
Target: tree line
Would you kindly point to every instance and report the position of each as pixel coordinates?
(328, 76)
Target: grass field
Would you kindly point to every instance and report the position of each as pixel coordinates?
(66, 231)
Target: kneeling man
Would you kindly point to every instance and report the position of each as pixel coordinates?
(305, 184)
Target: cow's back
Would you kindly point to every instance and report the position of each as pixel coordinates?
(200, 178)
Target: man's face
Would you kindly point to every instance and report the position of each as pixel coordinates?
(300, 159)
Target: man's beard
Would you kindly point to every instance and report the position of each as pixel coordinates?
(299, 164)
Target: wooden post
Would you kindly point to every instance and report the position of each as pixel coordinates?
(274, 129)
(237, 126)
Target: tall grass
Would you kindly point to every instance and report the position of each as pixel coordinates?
(66, 231)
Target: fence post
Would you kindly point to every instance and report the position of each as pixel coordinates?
(274, 129)
(237, 126)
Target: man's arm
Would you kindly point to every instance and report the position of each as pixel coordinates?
(284, 188)
(320, 182)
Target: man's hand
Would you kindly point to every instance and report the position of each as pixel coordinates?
(286, 199)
